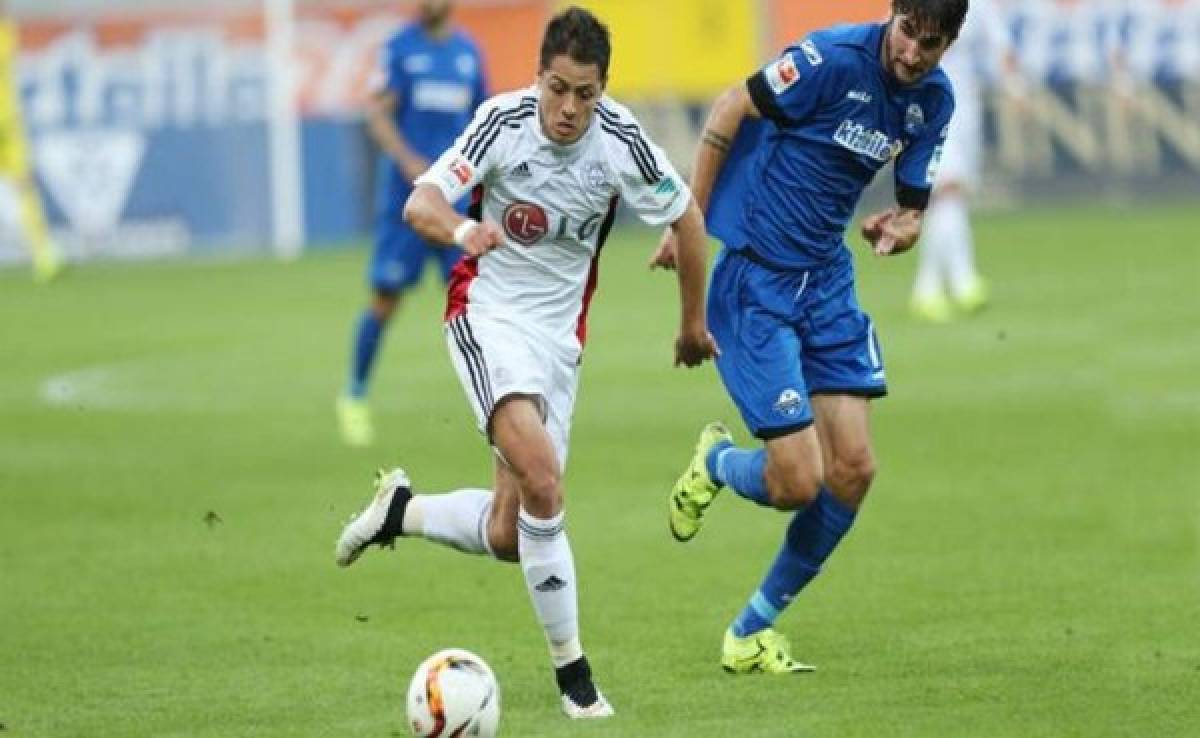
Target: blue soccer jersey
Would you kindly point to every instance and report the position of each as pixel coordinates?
(438, 83)
(833, 117)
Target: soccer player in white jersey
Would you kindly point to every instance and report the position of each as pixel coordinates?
(547, 166)
(947, 278)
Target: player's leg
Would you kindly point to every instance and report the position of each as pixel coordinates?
(759, 367)
(46, 258)
(843, 365)
(395, 267)
(520, 434)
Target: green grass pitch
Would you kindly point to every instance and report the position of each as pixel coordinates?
(1027, 563)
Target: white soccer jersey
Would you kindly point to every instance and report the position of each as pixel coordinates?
(555, 205)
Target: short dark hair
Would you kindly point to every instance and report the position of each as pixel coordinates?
(946, 16)
(581, 36)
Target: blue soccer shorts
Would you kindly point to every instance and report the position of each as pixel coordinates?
(787, 335)
(400, 256)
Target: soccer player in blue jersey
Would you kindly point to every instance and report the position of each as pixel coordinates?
(782, 164)
(428, 85)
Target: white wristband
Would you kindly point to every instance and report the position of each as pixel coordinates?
(465, 227)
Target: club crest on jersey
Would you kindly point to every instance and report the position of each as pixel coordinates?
(596, 175)
(782, 73)
(862, 140)
(914, 119)
(788, 403)
(526, 223)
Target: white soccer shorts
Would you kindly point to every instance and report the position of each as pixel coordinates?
(496, 358)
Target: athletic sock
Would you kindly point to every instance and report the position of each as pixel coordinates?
(366, 346)
(742, 470)
(959, 249)
(549, 570)
(457, 519)
(933, 255)
(575, 681)
(811, 537)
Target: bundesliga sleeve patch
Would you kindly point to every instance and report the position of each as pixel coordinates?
(782, 73)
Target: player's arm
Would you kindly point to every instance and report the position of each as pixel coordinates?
(381, 124)
(728, 111)
(433, 218)
(695, 343)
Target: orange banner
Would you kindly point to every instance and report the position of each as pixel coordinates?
(791, 20)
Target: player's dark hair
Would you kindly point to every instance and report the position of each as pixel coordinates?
(946, 16)
(581, 36)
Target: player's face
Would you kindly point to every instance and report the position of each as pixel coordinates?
(912, 50)
(433, 13)
(570, 92)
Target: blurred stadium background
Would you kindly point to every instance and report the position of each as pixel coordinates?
(163, 128)
(171, 480)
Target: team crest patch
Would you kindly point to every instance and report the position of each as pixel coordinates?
(596, 175)
(914, 119)
(782, 73)
(788, 403)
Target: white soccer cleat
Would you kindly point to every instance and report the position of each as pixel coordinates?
(372, 524)
(598, 709)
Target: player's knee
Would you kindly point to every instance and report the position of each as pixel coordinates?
(383, 305)
(793, 487)
(541, 491)
(853, 472)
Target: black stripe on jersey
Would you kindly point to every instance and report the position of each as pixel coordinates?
(631, 135)
(482, 137)
(512, 120)
(473, 357)
(612, 118)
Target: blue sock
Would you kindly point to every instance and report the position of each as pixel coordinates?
(366, 346)
(741, 470)
(811, 536)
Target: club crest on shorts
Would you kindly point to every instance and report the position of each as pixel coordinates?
(526, 223)
(788, 403)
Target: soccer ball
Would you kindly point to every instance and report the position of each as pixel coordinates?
(453, 693)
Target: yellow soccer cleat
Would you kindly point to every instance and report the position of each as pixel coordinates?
(354, 421)
(974, 297)
(48, 264)
(695, 490)
(932, 308)
(764, 652)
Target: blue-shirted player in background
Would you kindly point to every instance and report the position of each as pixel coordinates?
(783, 162)
(430, 81)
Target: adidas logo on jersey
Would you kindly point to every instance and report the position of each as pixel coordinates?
(522, 170)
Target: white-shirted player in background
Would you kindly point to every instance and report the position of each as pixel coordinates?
(547, 166)
(947, 276)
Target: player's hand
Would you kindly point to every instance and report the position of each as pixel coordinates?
(664, 256)
(892, 231)
(482, 238)
(694, 346)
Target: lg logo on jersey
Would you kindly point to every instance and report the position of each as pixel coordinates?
(527, 223)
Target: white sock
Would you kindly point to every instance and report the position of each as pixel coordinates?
(931, 254)
(549, 571)
(949, 224)
(457, 519)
